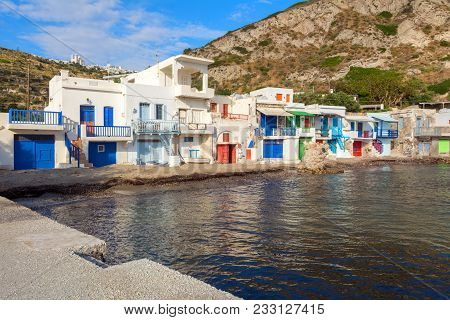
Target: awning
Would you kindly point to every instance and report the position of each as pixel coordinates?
(359, 118)
(382, 117)
(330, 113)
(301, 113)
(279, 112)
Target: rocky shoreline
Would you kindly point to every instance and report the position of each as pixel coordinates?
(84, 181)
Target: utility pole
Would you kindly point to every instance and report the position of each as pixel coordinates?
(28, 85)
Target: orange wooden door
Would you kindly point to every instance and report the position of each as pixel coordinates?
(233, 151)
(249, 154)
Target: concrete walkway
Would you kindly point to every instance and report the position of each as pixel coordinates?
(38, 261)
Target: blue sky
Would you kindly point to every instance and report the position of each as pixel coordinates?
(126, 33)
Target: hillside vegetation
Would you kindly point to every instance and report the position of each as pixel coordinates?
(315, 43)
(13, 77)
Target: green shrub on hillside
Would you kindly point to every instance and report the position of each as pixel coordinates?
(265, 43)
(388, 29)
(444, 43)
(441, 87)
(187, 51)
(332, 61)
(248, 27)
(241, 50)
(385, 15)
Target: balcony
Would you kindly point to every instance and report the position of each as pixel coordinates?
(196, 128)
(323, 134)
(113, 133)
(156, 127)
(285, 132)
(432, 132)
(387, 133)
(305, 132)
(362, 135)
(184, 91)
(35, 120)
(233, 116)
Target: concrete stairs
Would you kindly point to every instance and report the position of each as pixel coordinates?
(83, 159)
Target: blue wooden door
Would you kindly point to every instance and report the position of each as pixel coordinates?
(273, 149)
(108, 116)
(102, 153)
(45, 154)
(360, 129)
(87, 115)
(34, 152)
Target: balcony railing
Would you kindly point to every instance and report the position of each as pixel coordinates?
(36, 117)
(365, 134)
(284, 132)
(102, 131)
(233, 116)
(260, 132)
(387, 133)
(336, 132)
(197, 126)
(276, 132)
(432, 132)
(156, 127)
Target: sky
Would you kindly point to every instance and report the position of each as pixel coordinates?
(127, 33)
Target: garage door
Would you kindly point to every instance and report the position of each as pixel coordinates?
(34, 152)
(273, 149)
(102, 153)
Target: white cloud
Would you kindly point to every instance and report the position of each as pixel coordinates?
(105, 31)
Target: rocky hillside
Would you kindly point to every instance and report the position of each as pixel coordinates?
(316, 42)
(13, 77)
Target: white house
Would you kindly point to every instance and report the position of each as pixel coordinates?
(155, 116)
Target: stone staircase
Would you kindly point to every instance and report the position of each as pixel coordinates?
(83, 159)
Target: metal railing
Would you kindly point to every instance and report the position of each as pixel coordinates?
(282, 132)
(156, 126)
(35, 117)
(336, 132)
(233, 116)
(104, 131)
(387, 133)
(197, 126)
(365, 134)
(432, 132)
(74, 151)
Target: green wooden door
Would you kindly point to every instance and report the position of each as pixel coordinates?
(444, 146)
(301, 148)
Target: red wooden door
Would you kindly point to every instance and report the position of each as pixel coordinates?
(223, 154)
(357, 148)
(233, 151)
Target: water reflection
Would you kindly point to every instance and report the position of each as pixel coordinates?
(375, 233)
